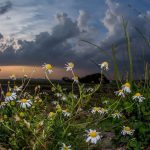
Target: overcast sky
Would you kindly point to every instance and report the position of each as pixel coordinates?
(33, 32)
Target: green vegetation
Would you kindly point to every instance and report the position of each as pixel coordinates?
(46, 120)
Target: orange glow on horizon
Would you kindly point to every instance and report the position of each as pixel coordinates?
(20, 71)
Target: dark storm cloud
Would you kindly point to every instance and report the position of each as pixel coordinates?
(44, 46)
(55, 47)
(5, 6)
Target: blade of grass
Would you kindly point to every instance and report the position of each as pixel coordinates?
(143, 36)
(146, 76)
(127, 38)
(116, 70)
(101, 49)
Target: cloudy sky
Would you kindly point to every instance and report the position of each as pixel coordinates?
(33, 32)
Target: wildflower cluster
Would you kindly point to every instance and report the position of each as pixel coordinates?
(78, 117)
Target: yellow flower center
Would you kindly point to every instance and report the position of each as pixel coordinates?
(105, 63)
(127, 85)
(127, 129)
(93, 134)
(71, 65)
(66, 110)
(58, 107)
(96, 108)
(5, 116)
(120, 91)
(1, 103)
(8, 94)
(23, 100)
(75, 78)
(48, 66)
(66, 148)
(137, 94)
(12, 103)
(51, 114)
(21, 114)
(13, 76)
(25, 76)
(103, 109)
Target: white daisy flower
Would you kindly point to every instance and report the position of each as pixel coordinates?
(25, 76)
(58, 94)
(17, 118)
(66, 113)
(126, 87)
(69, 66)
(3, 104)
(95, 109)
(138, 97)
(105, 102)
(66, 147)
(44, 93)
(75, 79)
(27, 124)
(2, 92)
(64, 98)
(12, 77)
(10, 96)
(93, 136)
(17, 88)
(48, 68)
(89, 89)
(127, 131)
(116, 115)
(104, 65)
(75, 96)
(69, 134)
(55, 102)
(41, 123)
(103, 111)
(120, 93)
(79, 109)
(24, 103)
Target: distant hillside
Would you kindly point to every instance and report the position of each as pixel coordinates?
(92, 78)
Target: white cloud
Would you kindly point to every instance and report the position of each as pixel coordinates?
(82, 20)
(115, 34)
(30, 17)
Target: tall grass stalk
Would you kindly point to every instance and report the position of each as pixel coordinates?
(127, 38)
(146, 76)
(146, 65)
(147, 41)
(116, 70)
(101, 49)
